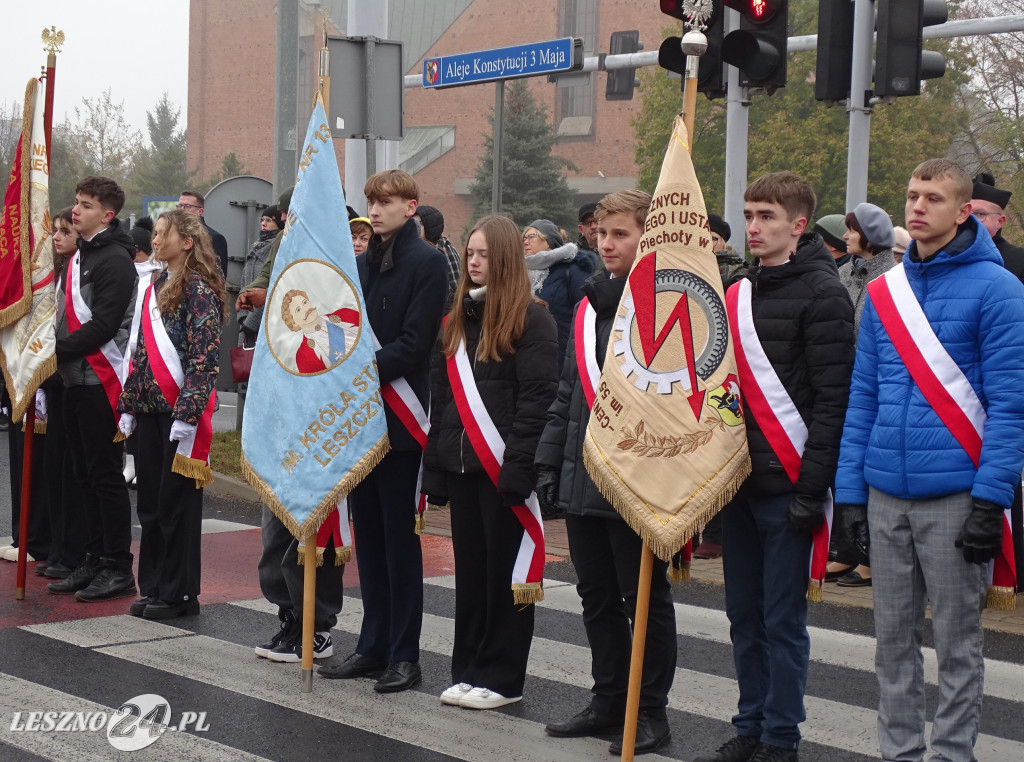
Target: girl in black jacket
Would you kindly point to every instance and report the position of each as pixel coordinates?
(512, 345)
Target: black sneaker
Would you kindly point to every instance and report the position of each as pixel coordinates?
(79, 579)
(768, 753)
(289, 650)
(107, 585)
(57, 571)
(737, 749)
(288, 624)
(139, 606)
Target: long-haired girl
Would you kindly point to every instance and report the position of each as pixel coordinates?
(168, 400)
(496, 373)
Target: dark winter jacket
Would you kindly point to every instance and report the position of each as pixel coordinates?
(804, 320)
(404, 283)
(893, 439)
(194, 330)
(1013, 256)
(516, 391)
(562, 291)
(220, 247)
(250, 321)
(108, 281)
(561, 444)
(856, 274)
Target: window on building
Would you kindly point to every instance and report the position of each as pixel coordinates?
(422, 145)
(575, 106)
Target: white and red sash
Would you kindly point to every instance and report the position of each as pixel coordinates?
(192, 457)
(776, 415)
(142, 269)
(108, 362)
(948, 392)
(335, 528)
(585, 340)
(404, 403)
(528, 572)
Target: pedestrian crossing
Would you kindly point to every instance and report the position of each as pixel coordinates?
(256, 710)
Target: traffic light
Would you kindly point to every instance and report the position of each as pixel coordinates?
(835, 50)
(900, 60)
(710, 76)
(621, 82)
(758, 47)
(670, 54)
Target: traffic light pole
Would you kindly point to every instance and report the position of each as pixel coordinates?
(859, 110)
(737, 103)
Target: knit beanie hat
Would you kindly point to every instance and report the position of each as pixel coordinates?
(875, 223)
(142, 234)
(272, 213)
(285, 199)
(720, 226)
(549, 230)
(433, 222)
(832, 227)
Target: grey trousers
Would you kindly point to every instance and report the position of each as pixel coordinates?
(281, 576)
(914, 562)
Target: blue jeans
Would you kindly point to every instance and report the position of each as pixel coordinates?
(766, 574)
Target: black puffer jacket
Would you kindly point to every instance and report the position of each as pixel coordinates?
(804, 320)
(516, 392)
(561, 444)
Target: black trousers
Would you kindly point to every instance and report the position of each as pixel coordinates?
(281, 577)
(606, 555)
(90, 426)
(66, 507)
(389, 559)
(1017, 525)
(170, 511)
(39, 540)
(492, 633)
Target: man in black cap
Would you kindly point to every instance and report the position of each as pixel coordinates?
(588, 231)
(832, 228)
(988, 204)
(433, 233)
(731, 266)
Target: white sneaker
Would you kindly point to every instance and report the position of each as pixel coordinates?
(453, 695)
(9, 553)
(484, 698)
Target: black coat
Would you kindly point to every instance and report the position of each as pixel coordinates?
(516, 391)
(561, 444)
(804, 320)
(220, 247)
(1013, 256)
(404, 287)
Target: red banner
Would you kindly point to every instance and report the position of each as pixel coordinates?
(15, 228)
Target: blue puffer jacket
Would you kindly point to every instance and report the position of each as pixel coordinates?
(892, 439)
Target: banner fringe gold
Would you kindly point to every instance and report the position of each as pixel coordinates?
(194, 469)
(342, 555)
(358, 472)
(525, 593)
(1001, 598)
(14, 312)
(663, 547)
(120, 437)
(678, 574)
(814, 591)
(421, 522)
(20, 406)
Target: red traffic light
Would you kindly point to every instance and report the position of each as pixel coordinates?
(755, 11)
(673, 8)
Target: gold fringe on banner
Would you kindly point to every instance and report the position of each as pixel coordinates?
(194, 469)
(342, 555)
(525, 593)
(20, 406)
(359, 472)
(421, 523)
(814, 591)
(119, 436)
(678, 571)
(1001, 598)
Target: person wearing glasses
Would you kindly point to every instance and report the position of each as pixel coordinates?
(988, 204)
(557, 273)
(192, 202)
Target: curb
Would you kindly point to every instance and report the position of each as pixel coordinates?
(228, 486)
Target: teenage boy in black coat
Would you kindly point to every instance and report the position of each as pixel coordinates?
(405, 284)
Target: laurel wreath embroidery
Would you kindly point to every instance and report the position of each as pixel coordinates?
(648, 445)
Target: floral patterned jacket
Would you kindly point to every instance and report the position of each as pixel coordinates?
(194, 329)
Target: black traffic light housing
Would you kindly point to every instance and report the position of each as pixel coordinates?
(711, 78)
(758, 47)
(900, 59)
(622, 82)
(834, 65)
(670, 54)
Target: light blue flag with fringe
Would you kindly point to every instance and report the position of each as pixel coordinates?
(314, 421)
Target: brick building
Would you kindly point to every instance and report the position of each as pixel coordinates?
(232, 80)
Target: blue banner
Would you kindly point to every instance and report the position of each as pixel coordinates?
(314, 421)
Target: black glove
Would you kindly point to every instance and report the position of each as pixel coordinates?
(547, 491)
(805, 512)
(437, 500)
(852, 526)
(982, 533)
(508, 500)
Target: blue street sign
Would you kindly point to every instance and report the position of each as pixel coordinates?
(528, 60)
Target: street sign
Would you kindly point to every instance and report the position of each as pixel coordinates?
(512, 62)
(367, 99)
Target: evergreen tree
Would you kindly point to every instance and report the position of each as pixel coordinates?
(162, 169)
(230, 166)
(533, 183)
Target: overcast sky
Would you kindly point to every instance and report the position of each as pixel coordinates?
(137, 49)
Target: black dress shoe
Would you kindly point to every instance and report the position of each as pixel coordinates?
(56, 571)
(399, 676)
(355, 665)
(832, 576)
(651, 734)
(41, 568)
(853, 579)
(139, 606)
(107, 585)
(79, 579)
(159, 609)
(586, 723)
(736, 749)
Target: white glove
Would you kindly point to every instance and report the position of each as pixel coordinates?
(126, 424)
(40, 405)
(181, 430)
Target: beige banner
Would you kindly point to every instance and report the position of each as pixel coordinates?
(666, 442)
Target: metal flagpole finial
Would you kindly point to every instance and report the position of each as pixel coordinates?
(53, 39)
(698, 13)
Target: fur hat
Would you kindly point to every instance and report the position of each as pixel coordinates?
(875, 223)
(549, 230)
(433, 222)
(142, 234)
(720, 226)
(986, 190)
(832, 227)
